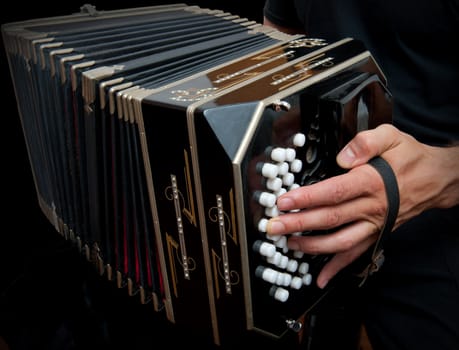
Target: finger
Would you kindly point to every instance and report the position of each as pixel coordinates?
(368, 144)
(340, 261)
(344, 239)
(333, 190)
(330, 217)
(372, 209)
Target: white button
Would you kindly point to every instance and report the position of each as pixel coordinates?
(283, 262)
(292, 265)
(267, 274)
(290, 154)
(278, 154)
(298, 254)
(287, 279)
(268, 170)
(296, 165)
(280, 294)
(307, 279)
(274, 238)
(264, 248)
(282, 168)
(282, 242)
(280, 192)
(299, 140)
(303, 268)
(262, 225)
(296, 282)
(274, 184)
(288, 179)
(280, 279)
(272, 212)
(265, 198)
(275, 259)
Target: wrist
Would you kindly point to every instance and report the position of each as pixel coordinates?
(446, 159)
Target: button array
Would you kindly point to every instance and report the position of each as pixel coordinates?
(282, 268)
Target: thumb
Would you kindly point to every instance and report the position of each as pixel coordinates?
(366, 145)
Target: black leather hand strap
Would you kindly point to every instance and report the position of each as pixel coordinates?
(393, 203)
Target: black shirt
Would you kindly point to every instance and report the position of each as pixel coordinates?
(412, 41)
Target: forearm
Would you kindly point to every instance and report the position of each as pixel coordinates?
(445, 170)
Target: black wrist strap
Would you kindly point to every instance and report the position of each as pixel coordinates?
(393, 203)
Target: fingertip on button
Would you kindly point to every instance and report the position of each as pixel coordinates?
(275, 226)
(285, 203)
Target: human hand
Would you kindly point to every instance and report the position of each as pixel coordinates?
(355, 204)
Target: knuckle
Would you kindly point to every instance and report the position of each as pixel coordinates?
(345, 243)
(306, 198)
(301, 223)
(363, 142)
(332, 218)
(339, 193)
(312, 247)
(380, 211)
(388, 128)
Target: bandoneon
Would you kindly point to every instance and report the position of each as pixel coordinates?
(160, 138)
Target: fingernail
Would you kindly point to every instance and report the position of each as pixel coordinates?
(346, 157)
(284, 204)
(322, 284)
(275, 227)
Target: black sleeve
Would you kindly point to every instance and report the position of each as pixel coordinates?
(283, 13)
